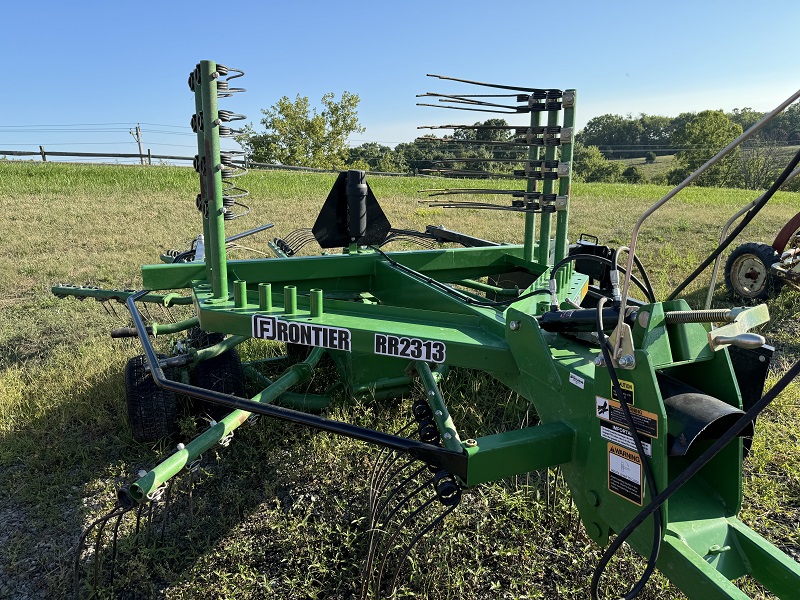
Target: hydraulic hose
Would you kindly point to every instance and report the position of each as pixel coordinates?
(648, 473)
(692, 469)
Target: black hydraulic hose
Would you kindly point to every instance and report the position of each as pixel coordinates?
(701, 462)
(648, 473)
(651, 295)
(648, 293)
(645, 278)
(453, 292)
(749, 216)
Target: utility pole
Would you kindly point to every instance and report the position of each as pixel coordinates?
(137, 135)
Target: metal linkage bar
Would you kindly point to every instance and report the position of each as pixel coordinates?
(454, 462)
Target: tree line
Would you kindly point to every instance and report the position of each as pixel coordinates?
(295, 133)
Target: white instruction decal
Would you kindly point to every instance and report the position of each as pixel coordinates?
(576, 380)
(622, 436)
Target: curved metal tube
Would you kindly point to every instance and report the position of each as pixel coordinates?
(673, 192)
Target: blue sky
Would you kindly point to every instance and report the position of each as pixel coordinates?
(83, 65)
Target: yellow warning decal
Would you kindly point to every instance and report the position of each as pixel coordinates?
(627, 391)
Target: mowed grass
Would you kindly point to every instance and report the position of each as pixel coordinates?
(280, 512)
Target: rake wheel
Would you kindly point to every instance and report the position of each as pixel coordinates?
(152, 411)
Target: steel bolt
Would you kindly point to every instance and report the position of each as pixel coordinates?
(470, 443)
(431, 393)
(627, 361)
(447, 436)
(181, 446)
(514, 325)
(599, 361)
(141, 473)
(438, 413)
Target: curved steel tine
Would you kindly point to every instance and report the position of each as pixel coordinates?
(165, 512)
(114, 547)
(388, 478)
(82, 544)
(380, 464)
(99, 541)
(374, 526)
(396, 489)
(409, 517)
(149, 524)
(429, 527)
(138, 523)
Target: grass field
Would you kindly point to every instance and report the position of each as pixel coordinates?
(279, 513)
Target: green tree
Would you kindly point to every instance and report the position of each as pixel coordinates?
(700, 139)
(591, 166)
(297, 134)
(372, 156)
(366, 156)
(614, 135)
(633, 174)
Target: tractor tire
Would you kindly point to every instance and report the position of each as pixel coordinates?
(152, 411)
(222, 374)
(203, 339)
(748, 273)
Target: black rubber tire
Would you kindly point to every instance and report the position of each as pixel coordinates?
(203, 339)
(152, 411)
(748, 273)
(223, 374)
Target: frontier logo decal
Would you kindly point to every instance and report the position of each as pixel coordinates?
(305, 334)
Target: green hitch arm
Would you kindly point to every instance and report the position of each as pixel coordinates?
(298, 401)
(168, 328)
(141, 489)
(220, 348)
(433, 395)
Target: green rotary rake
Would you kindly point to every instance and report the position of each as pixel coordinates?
(646, 406)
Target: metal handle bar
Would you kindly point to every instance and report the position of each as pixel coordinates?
(673, 192)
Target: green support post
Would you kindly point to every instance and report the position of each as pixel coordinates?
(265, 296)
(201, 152)
(564, 187)
(290, 300)
(547, 188)
(530, 218)
(213, 181)
(240, 293)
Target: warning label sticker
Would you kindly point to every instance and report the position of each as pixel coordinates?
(624, 473)
(627, 391)
(610, 410)
(622, 436)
